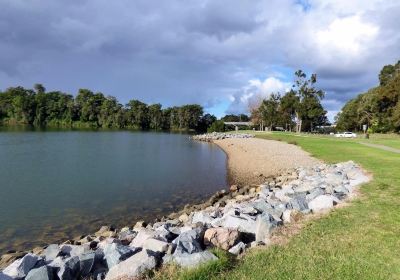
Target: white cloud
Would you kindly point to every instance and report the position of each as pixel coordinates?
(349, 35)
(255, 91)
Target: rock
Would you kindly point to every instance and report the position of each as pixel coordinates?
(298, 202)
(189, 241)
(260, 205)
(105, 231)
(86, 261)
(264, 225)
(195, 259)
(10, 257)
(5, 277)
(287, 216)
(132, 267)
(141, 237)
(68, 268)
(115, 253)
(314, 193)
(233, 188)
(321, 202)
(223, 238)
(51, 252)
(74, 250)
(183, 218)
(156, 245)
(238, 248)
(201, 217)
(21, 267)
(140, 224)
(41, 273)
(242, 223)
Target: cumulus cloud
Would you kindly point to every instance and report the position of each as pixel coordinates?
(254, 92)
(216, 53)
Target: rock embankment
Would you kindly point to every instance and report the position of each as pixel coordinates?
(209, 137)
(234, 221)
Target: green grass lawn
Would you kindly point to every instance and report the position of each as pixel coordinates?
(361, 241)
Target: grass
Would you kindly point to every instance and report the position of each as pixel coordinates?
(361, 241)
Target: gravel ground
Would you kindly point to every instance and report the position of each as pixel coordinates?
(252, 160)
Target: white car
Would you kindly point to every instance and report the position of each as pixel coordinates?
(346, 134)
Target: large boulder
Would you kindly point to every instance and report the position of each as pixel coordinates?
(156, 245)
(21, 267)
(242, 223)
(115, 253)
(141, 237)
(67, 268)
(321, 202)
(298, 202)
(87, 261)
(132, 267)
(264, 225)
(41, 273)
(223, 238)
(51, 252)
(201, 217)
(74, 250)
(5, 277)
(189, 241)
(195, 259)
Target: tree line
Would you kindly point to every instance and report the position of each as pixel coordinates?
(298, 109)
(378, 108)
(36, 107)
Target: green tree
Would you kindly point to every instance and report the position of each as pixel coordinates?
(306, 91)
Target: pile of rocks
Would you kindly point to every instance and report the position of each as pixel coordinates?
(209, 137)
(233, 221)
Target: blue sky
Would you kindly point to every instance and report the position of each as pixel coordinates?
(225, 55)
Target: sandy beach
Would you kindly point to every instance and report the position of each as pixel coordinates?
(252, 160)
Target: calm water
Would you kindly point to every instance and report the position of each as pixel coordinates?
(58, 185)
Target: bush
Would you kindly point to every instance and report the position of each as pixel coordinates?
(217, 126)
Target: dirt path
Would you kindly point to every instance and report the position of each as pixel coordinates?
(252, 160)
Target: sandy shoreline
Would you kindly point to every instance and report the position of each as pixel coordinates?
(252, 160)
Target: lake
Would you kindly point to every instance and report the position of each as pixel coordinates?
(56, 185)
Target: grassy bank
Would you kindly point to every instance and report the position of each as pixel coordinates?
(361, 241)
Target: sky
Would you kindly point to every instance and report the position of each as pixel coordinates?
(222, 54)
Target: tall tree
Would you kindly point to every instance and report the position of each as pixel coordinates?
(306, 91)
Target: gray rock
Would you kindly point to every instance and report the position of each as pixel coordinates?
(127, 236)
(41, 273)
(115, 253)
(68, 269)
(261, 205)
(189, 241)
(156, 245)
(5, 277)
(298, 202)
(165, 233)
(243, 223)
(87, 262)
(21, 267)
(51, 252)
(195, 259)
(141, 237)
(132, 267)
(314, 193)
(238, 248)
(201, 217)
(264, 225)
(74, 250)
(321, 202)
